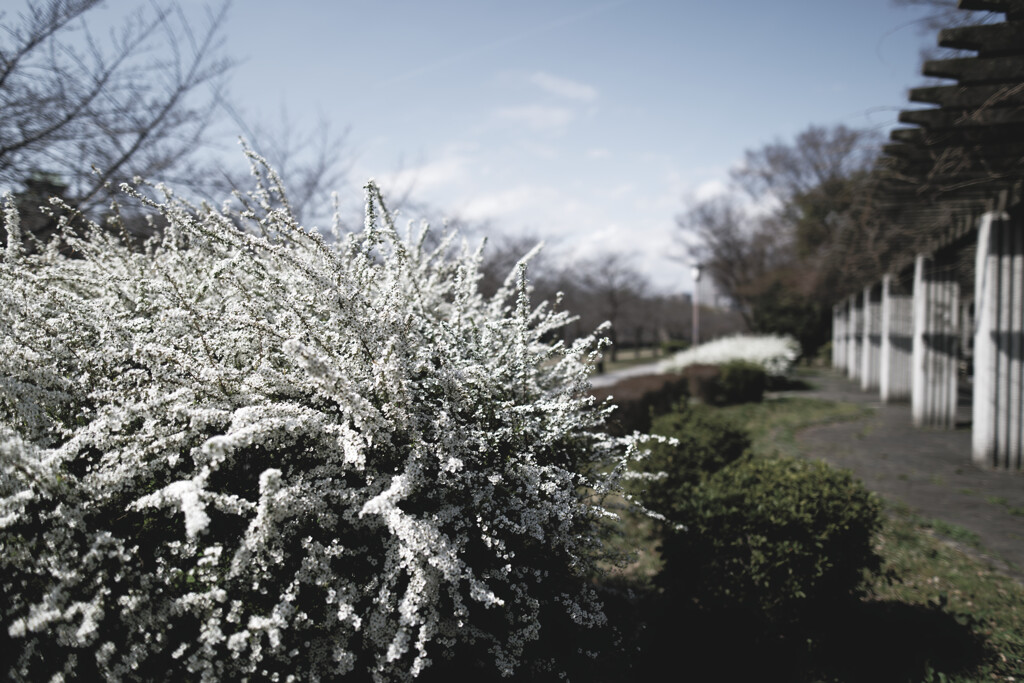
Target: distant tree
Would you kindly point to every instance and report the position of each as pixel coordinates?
(615, 288)
(37, 226)
(806, 230)
(136, 101)
(735, 248)
(813, 179)
(501, 254)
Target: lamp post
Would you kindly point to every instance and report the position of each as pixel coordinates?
(695, 271)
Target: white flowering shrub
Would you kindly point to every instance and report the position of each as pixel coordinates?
(245, 452)
(775, 353)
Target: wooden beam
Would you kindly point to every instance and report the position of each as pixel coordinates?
(978, 70)
(944, 119)
(960, 137)
(986, 39)
(971, 96)
(1003, 154)
(992, 5)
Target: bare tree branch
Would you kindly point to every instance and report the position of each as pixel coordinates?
(135, 102)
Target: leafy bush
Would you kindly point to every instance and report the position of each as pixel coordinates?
(726, 384)
(705, 443)
(742, 382)
(247, 452)
(774, 537)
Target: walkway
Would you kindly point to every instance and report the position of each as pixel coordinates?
(928, 470)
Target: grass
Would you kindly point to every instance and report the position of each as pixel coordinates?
(934, 613)
(925, 571)
(1017, 511)
(774, 423)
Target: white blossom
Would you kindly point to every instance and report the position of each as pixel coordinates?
(249, 453)
(775, 353)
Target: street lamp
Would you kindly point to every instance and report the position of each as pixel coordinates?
(695, 271)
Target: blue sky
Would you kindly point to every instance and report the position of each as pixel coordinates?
(590, 124)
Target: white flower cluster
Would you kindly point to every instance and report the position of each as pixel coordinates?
(248, 452)
(775, 353)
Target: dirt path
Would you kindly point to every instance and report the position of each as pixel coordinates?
(928, 470)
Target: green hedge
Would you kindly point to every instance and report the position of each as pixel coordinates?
(742, 382)
(726, 384)
(707, 443)
(775, 538)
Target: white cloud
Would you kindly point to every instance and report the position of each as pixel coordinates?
(563, 87)
(509, 203)
(427, 177)
(710, 189)
(537, 116)
(598, 153)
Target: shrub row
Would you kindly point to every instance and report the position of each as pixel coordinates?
(638, 399)
(726, 384)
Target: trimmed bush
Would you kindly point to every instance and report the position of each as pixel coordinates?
(741, 382)
(776, 354)
(702, 382)
(249, 453)
(776, 538)
(706, 444)
(726, 384)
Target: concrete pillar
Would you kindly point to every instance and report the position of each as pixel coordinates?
(871, 340)
(897, 330)
(934, 347)
(853, 353)
(838, 337)
(998, 408)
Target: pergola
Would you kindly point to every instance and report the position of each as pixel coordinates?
(956, 174)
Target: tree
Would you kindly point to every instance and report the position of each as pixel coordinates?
(137, 101)
(814, 179)
(734, 248)
(785, 265)
(614, 287)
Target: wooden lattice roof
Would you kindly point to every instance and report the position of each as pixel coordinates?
(966, 152)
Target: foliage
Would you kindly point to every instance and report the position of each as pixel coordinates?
(776, 537)
(246, 452)
(706, 442)
(780, 309)
(742, 382)
(775, 353)
(822, 234)
(934, 612)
